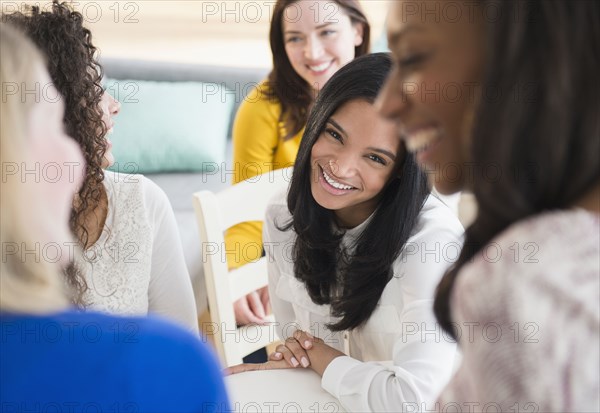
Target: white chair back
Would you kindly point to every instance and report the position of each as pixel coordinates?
(215, 213)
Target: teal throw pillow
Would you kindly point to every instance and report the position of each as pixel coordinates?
(169, 126)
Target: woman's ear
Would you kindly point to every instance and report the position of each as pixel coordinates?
(358, 33)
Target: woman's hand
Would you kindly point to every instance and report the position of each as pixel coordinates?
(253, 308)
(269, 365)
(294, 350)
(305, 350)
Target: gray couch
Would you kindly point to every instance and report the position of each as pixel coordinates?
(180, 186)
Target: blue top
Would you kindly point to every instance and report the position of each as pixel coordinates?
(75, 361)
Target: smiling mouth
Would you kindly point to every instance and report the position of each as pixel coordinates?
(422, 139)
(333, 183)
(320, 68)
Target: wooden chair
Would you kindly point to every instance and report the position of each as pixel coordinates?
(215, 213)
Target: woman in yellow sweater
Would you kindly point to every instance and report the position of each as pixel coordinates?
(310, 40)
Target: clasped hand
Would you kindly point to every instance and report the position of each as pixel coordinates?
(302, 350)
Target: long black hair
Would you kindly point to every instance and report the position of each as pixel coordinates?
(352, 285)
(547, 141)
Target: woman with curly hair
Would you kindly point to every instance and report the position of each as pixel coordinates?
(133, 260)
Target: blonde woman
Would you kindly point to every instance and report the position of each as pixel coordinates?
(133, 261)
(49, 349)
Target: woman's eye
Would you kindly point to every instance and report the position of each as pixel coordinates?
(376, 158)
(334, 134)
(411, 60)
(327, 32)
(294, 39)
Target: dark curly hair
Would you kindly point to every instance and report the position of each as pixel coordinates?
(75, 71)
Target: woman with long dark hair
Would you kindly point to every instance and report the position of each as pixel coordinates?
(133, 259)
(355, 253)
(522, 131)
(310, 40)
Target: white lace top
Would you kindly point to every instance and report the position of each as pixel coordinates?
(137, 265)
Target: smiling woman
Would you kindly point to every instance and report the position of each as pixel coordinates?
(193, 31)
(541, 213)
(320, 40)
(353, 163)
(438, 74)
(346, 258)
(310, 40)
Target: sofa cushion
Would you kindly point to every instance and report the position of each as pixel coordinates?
(169, 126)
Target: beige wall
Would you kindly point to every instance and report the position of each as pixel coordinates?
(230, 32)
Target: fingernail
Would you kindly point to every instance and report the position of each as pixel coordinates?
(294, 362)
(277, 355)
(307, 344)
(304, 362)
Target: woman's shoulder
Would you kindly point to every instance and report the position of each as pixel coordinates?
(277, 207)
(261, 96)
(150, 334)
(528, 306)
(278, 215)
(130, 349)
(550, 242)
(126, 188)
(123, 184)
(553, 227)
(259, 106)
(547, 258)
(111, 332)
(433, 246)
(437, 218)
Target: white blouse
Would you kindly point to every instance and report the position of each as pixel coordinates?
(399, 360)
(137, 265)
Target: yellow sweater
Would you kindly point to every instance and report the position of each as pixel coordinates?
(258, 147)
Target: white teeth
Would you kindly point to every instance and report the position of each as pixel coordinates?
(320, 67)
(334, 183)
(421, 139)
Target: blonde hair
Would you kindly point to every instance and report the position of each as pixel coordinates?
(27, 284)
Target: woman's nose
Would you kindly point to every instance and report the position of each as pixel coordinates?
(343, 165)
(114, 106)
(313, 49)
